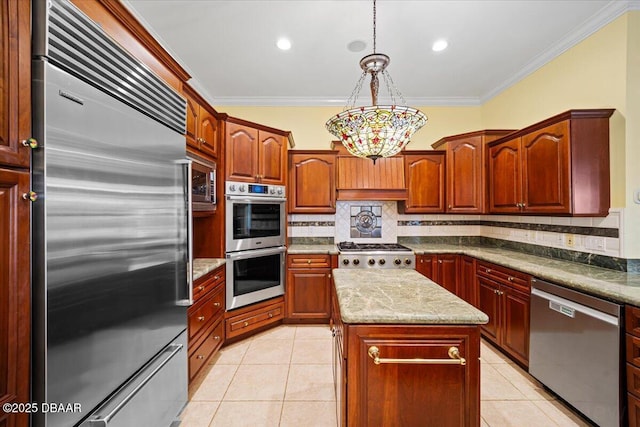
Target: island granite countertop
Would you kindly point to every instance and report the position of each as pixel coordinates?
(390, 296)
(202, 266)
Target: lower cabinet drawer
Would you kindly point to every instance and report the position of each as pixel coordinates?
(201, 313)
(251, 320)
(633, 380)
(199, 356)
(634, 410)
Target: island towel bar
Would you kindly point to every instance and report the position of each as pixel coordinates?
(454, 354)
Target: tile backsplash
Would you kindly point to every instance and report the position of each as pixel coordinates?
(599, 236)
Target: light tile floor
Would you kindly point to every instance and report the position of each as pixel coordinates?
(283, 377)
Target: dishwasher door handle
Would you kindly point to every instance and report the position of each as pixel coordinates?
(568, 308)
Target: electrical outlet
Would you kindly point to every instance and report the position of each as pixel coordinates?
(636, 197)
(570, 240)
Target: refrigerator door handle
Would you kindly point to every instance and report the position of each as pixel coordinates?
(188, 174)
(104, 420)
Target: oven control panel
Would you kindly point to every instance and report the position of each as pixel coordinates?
(233, 188)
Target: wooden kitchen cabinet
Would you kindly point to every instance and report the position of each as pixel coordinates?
(559, 166)
(308, 288)
(466, 170)
(254, 318)
(312, 181)
(361, 179)
(504, 295)
(15, 294)
(203, 125)
(632, 353)
(441, 268)
(205, 320)
(467, 283)
(15, 82)
(425, 178)
(255, 153)
(392, 394)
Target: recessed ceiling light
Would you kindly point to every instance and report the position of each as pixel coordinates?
(439, 45)
(356, 46)
(283, 44)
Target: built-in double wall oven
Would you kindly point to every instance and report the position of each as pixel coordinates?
(255, 242)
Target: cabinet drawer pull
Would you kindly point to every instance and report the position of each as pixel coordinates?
(454, 354)
(217, 338)
(201, 318)
(439, 261)
(510, 279)
(488, 270)
(270, 315)
(308, 261)
(201, 288)
(200, 357)
(216, 304)
(216, 277)
(246, 324)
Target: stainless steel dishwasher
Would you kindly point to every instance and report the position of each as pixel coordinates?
(574, 349)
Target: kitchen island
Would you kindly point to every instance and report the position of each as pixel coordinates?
(406, 351)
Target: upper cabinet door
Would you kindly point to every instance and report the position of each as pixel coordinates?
(192, 123)
(312, 183)
(425, 182)
(208, 132)
(545, 169)
(504, 168)
(271, 158)
(465, 186)
(242, 153)
(15, 82)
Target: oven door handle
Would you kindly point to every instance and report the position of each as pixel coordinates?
(252, 253)
(250, 199)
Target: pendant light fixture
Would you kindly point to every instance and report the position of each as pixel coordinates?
(377, 130)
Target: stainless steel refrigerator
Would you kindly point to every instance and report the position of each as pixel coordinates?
(109, 231)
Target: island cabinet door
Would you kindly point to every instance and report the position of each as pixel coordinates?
(416, 382)
(488, 302)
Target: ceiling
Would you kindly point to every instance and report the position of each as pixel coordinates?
(229, 47)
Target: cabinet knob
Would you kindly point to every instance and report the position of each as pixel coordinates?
(270, 315)
(216, 277)
(488, 270)
(201, 318)
(329, 275)
(201, 288)
(439, 261)
(246, 324)
(510, 279)
(200, 357)
(308, 261)
(450, 206)
(30, 142)
(216, 304)
(217, 338)
(31, 196)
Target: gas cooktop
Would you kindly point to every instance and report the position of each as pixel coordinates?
(371, 247)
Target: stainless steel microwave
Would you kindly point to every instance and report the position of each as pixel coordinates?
(203, 184)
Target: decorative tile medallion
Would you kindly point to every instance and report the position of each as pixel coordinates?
(366, 221)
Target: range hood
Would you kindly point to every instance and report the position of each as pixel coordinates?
(361, 179)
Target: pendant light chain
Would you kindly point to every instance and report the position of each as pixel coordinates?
(374, 26)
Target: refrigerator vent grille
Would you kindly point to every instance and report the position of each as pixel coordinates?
(80, 46)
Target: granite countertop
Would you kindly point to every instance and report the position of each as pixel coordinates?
(611, 284)
(298, 249)
(202, 266)
(393, 296)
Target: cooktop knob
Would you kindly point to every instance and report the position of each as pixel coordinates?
(407, 261)
(272, 191)
(371, 261)
(242, 188)
(397, 261)
(356, 261)
(382, 261)
(279, 191)
(345, 261)
(232, 188)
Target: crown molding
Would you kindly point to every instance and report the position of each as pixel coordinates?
(607, 14)
(275, 101)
